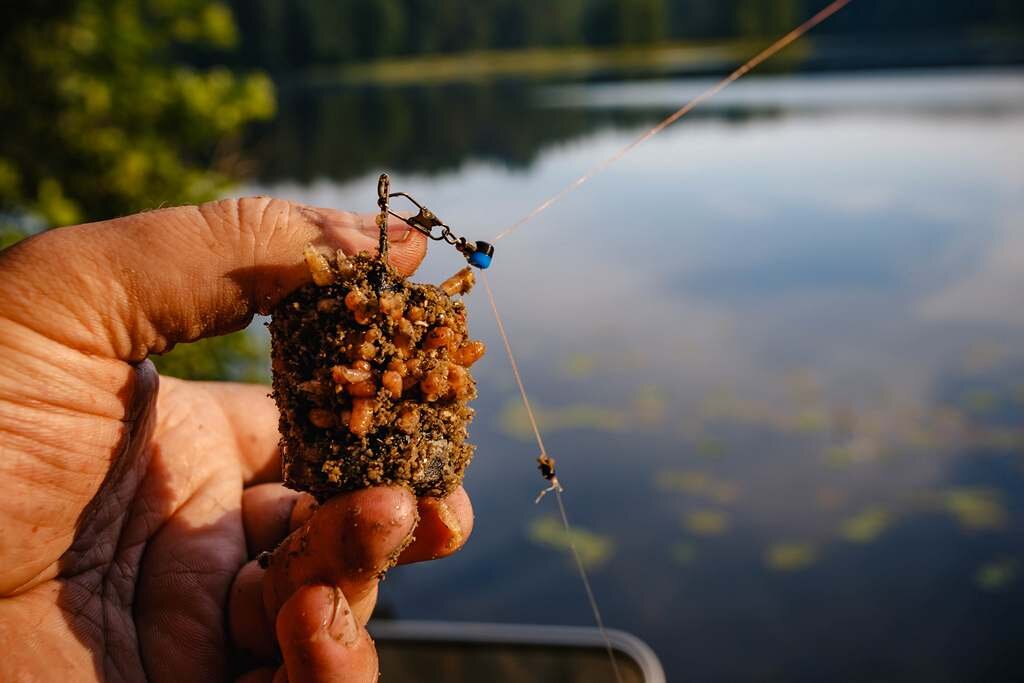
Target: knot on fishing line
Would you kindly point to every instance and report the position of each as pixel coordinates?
(479, 254)
(546, 465)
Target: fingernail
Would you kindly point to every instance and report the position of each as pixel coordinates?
(396, 233)
(365, 223)
(450, 520)
(317, 217)
(343, 626)
(305, 506)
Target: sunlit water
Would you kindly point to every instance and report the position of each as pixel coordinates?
(778, 353)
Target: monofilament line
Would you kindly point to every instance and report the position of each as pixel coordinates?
(747, 67)
(512, 362)
(557, 491)
(739, 73)
(586, 585)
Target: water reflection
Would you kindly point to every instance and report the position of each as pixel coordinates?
(347, 132)
(778, 352)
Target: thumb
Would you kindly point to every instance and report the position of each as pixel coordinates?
(137, 285)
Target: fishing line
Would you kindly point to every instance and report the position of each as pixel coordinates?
(555, 487)
(479, 254)
(739, 73)
(546, 463)
(586, 586)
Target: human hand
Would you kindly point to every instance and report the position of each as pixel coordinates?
(134, 505)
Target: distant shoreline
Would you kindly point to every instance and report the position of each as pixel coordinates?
(826, 53)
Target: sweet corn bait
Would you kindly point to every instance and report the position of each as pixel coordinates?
(371, 376)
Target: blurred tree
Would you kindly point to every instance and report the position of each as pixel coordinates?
(288, 35)
(642, 21)
(700, 19)
(760, 19)
(600, 23)
(381, 27)
(237, 356)
(106, 114)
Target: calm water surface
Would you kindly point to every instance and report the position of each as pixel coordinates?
(778, 353)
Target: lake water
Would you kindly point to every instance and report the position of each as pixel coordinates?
(778, 352)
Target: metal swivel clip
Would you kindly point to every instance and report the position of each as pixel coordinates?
(479, 253)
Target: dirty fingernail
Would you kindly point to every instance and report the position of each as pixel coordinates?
(305, 506)
(450, 520)
(343, 626)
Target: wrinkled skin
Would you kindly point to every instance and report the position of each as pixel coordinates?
(133, 505)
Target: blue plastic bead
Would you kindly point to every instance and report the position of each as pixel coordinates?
(480, 259)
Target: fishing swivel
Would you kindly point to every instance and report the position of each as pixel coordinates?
(479, 253)
(546, 465)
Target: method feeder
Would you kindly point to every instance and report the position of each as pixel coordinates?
(478, 254)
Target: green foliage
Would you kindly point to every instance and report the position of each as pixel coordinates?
(642, 21)
(238, 357)
(103, 117)
(760, 19)
(106, 113)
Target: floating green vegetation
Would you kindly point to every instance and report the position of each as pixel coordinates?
(722, 404)
(810, 421)
(790, 557)
(594, 549)
(996, 575)
(840, 456)
(514, 421)
(646, 408)
(803, 386)
(807, 419)
(867, 525)
(976, 508)
(648, 405)
(687, 481)
(579, 365)
(706, 522)
(854, 451)
(710, 448)
(980, 401)
(697, 483)
(1002, 440)
(684, 554)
